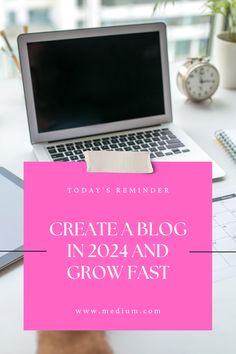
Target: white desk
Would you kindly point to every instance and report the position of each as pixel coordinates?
(200, 122)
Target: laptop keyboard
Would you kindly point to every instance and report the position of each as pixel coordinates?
(159, 142)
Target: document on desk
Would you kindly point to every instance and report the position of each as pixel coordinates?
(224, 234)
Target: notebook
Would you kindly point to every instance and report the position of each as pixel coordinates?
(228, 139)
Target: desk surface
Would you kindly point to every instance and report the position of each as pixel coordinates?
(199, 121)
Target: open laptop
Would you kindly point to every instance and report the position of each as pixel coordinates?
(102, 89)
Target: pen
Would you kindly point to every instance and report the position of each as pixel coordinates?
(13, 56)
(25, 28)
(5, 52)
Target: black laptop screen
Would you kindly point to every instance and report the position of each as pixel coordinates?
(85, 81)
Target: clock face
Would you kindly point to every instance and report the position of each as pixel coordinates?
(202, 82)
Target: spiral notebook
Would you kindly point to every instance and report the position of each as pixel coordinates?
(228, 139)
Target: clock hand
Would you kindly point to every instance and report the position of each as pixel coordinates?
(200, 79)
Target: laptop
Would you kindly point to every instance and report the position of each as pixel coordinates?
(102, 89)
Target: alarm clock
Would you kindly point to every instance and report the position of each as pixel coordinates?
(198, 79)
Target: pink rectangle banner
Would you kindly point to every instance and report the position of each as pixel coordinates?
(108, 251)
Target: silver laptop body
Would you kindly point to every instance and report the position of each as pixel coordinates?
(102, 89)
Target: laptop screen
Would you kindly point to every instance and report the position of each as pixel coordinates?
(86, 81)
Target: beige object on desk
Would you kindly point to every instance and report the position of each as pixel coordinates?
(73, 342)
(118, 161)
